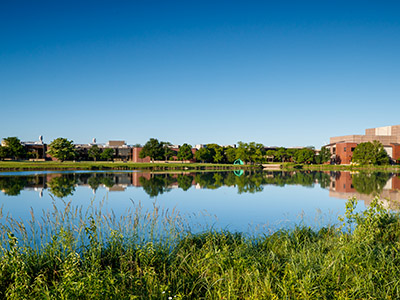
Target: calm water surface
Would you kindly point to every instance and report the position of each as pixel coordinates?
(256, 201)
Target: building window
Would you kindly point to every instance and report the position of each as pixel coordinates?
(344, 149)
(352, 149)
(334, 150)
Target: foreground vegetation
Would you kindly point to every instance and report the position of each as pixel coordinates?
(154, 255)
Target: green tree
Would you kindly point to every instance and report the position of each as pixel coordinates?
(256, 152)
(219, 155)
(242, 152)
(291, 154)
(14, 147)
(185, 152)
(94, 152)
(230, 154)
(62, 149)
(168, 153)
(305, 156)
(4, 152)
(370, 154)
(212, 148)
(324, 155)
(271, 154)
(203, 155)
(107, 154)
(153, 149)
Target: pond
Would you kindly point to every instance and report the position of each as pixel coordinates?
(248, 202)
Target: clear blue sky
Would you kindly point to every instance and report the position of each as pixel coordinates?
(288, 73)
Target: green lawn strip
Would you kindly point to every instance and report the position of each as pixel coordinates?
(67, 165)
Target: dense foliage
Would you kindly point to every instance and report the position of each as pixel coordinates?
(153, 149)
(185, 152)
(62, 149)
(12, 149)
(153, 255)
(370, 154)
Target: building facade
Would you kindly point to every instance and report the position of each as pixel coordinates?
(342, 147)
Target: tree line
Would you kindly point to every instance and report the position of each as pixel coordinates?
(372, 153)
(252, 153)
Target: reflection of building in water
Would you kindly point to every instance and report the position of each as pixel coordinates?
(343, 186)
(117, 188)
(136, 178)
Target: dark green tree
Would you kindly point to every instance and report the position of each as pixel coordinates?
(153, 149)
(219, 155)
(305, 156)
(3, 152)
(256, 152)
(370, 154)
(203, 155)
(185, 152)
(107, 154)
(242, 152)
(62, 149)
(14, 147)
(168, 153)
(271, 154)
(94, 152)
(324, 155)
(230, 154)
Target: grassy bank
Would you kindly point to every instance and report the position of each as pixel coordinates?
(153, 255)
(68, 165)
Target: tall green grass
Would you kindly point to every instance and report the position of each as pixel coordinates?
(90, 254)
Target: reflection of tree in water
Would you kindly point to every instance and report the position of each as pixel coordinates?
(94, 182)
(107, 181)
(157, 184)
(301, 178)
(62, 186)
(370, 183)
(96, 179)
(250, 184)
(185, 181)
(13, 185)
(207, 180)
(247, 183)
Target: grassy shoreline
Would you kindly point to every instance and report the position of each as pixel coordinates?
(88, 165)
(75, 260)
(69, 165)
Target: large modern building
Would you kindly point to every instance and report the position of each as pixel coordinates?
(342, 147)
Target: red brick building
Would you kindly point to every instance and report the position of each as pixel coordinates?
(342, 147)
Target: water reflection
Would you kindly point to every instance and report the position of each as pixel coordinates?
(340, 184)
(365, 186)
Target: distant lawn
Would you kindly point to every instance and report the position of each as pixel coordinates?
(91, 165)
